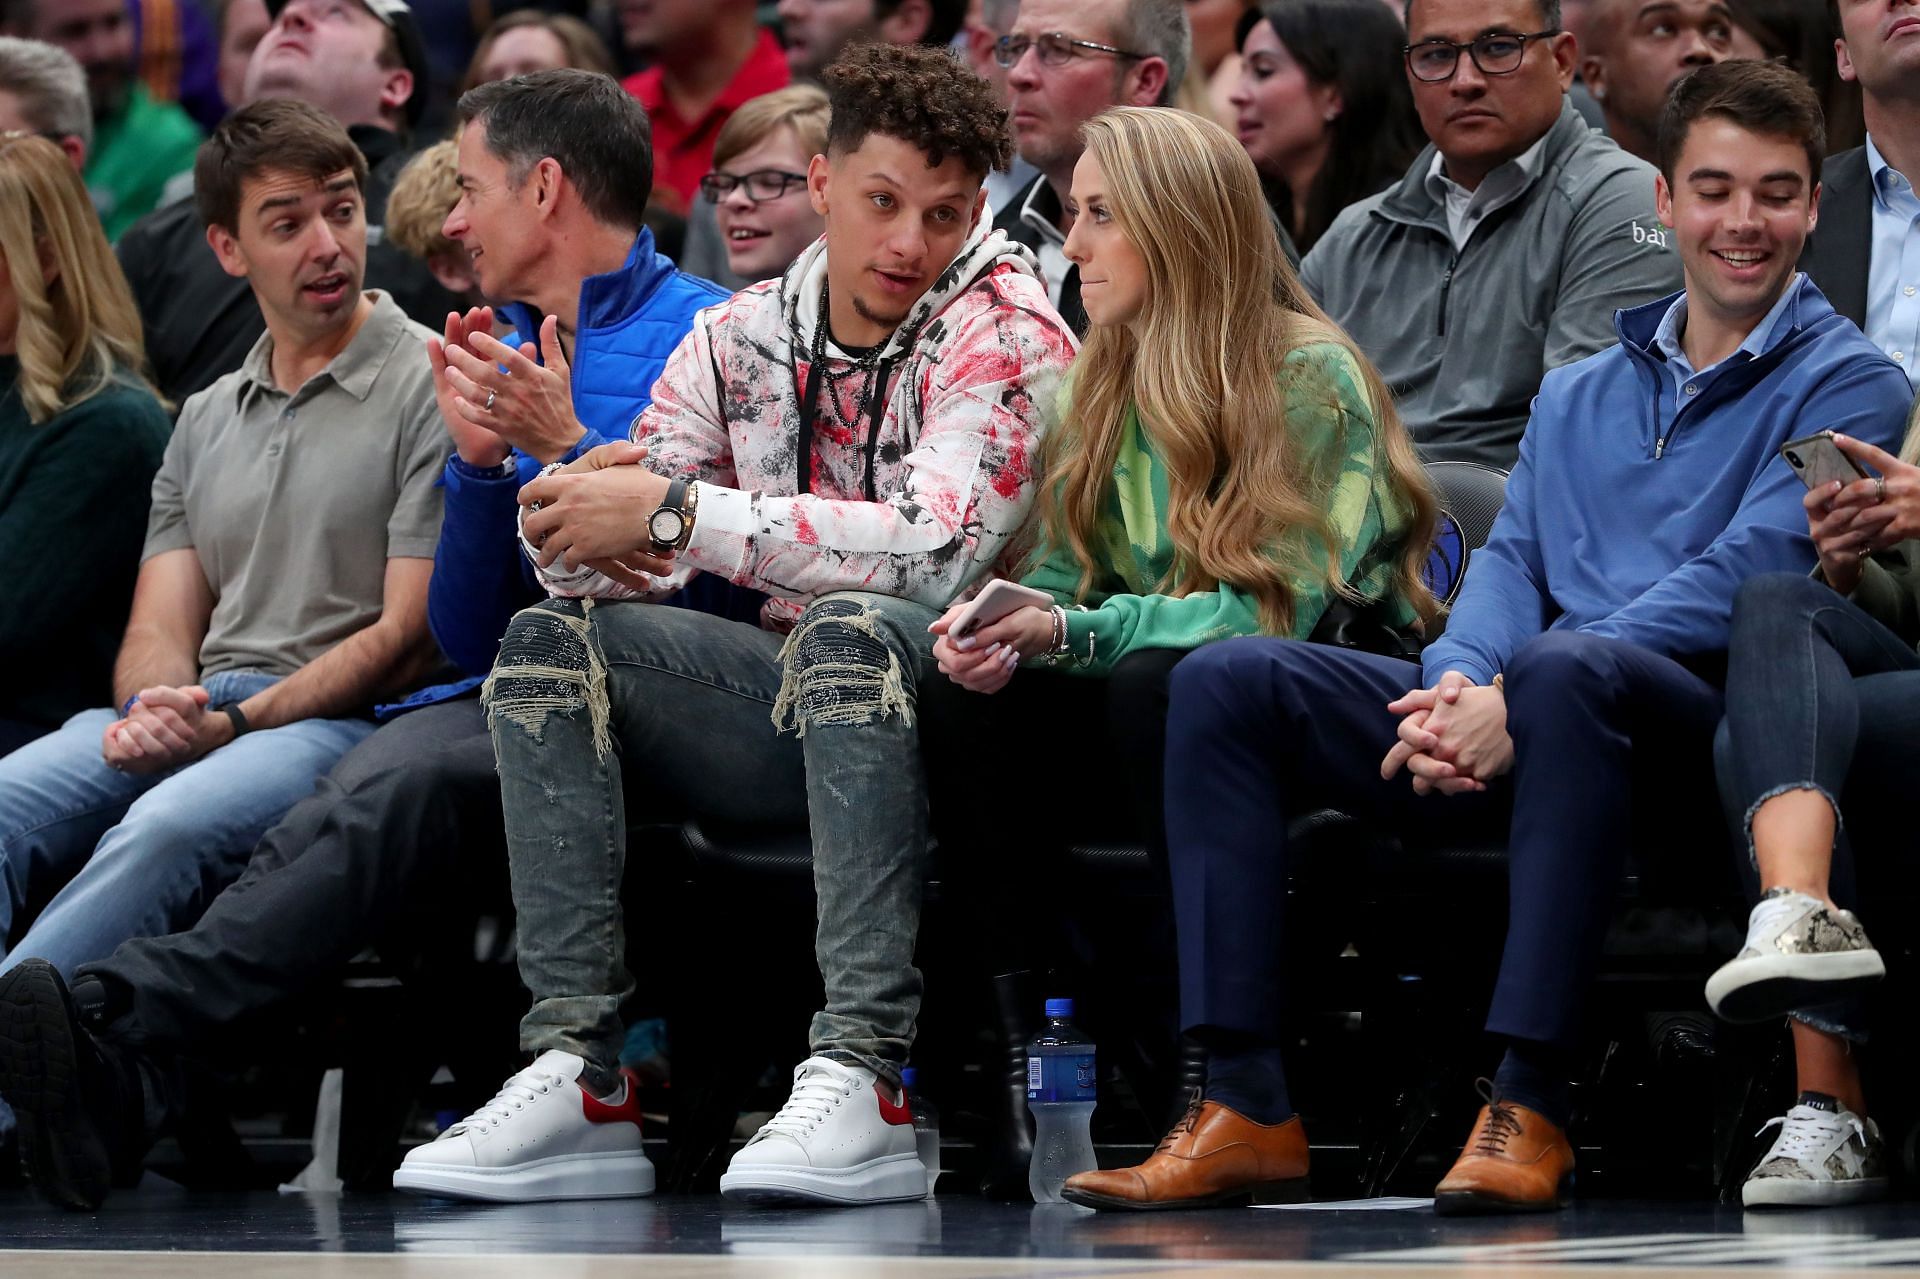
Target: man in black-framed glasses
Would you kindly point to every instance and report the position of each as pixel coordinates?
(1496, 53)
(1066, 62)
(1508, 245)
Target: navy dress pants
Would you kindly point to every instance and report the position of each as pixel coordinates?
(1610, 741)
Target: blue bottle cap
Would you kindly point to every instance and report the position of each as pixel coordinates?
(908, 1076)
(1060, 1008)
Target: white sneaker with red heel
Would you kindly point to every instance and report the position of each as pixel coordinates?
(840, 1139)
(543, 1136)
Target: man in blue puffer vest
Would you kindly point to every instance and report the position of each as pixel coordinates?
(555, 170)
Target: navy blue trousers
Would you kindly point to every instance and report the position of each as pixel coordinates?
(1609, 739)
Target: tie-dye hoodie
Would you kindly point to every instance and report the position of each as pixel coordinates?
(972, 380)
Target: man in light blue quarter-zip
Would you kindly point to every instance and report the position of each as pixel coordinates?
(1570, 706)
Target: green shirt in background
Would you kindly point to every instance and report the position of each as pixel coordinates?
(134, 155)
(1331, 418)
(73, 510)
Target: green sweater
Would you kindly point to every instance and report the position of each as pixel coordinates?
(1331, 418)
(1889, 589)
(134, 154)
(73, 510)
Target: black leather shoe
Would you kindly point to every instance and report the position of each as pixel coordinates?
(78, 1102)
(1016, 1019)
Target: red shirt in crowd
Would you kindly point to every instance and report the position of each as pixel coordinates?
(683, 149)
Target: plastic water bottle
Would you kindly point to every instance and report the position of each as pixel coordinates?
(1062, 1085)
(926, 1126)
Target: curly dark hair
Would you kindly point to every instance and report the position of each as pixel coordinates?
(920, 95)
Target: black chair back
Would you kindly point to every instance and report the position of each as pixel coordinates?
(1470, 498)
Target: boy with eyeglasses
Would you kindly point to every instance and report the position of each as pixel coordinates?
(757, 190)
(1511, 241)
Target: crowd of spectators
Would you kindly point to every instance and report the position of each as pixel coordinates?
(459, 439)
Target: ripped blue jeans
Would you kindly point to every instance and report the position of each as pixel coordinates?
(595, 706)
(1820, 697)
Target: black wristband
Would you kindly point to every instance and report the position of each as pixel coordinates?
(240, 726)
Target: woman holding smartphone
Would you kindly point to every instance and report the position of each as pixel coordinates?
(1228, 463)
(81, 434)
(1823, 701)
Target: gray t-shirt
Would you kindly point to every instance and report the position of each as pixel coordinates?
(294, 503)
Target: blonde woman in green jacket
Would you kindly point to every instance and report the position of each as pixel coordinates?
(1228, 463)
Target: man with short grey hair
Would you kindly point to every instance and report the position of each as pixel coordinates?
(44, 91)
(1067, 61)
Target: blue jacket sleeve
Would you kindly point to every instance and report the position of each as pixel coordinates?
(1690, 610)
(1504, 601)
(480, 579)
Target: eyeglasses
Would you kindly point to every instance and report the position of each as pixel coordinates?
(1497, 54)
(1055, 48)
(761, 184)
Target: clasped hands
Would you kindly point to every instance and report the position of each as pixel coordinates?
(984, 661)
(594, 511)
(1849, 521)
(1452, 738)
(165, 727)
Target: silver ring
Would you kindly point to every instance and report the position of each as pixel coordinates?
(489, 404)
(1879, 488)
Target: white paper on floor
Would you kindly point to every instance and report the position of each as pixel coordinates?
(1386, 1203)
(322, 1173)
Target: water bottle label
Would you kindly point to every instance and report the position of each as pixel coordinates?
(1069, 1077)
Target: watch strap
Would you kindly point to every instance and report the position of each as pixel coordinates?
(233, 712)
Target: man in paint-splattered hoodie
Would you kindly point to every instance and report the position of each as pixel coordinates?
(859, 441)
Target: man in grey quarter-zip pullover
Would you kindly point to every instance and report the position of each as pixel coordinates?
(1510, 243)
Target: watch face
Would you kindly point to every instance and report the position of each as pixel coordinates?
(665, 525)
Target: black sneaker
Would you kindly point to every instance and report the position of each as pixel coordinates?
(77, 1103)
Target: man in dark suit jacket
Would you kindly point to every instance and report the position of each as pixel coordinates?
(1869, 214)
(1838, 254)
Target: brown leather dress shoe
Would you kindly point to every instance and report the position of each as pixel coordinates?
(1516, 1160)
(1214, 1157)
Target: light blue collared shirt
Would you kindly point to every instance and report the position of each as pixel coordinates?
(1685, 384)
(1466, 210)
(1893, 271)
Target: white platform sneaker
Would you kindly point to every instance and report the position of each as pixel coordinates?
(839, 1140)
(543, 1136)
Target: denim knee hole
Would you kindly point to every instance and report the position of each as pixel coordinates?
(837, 671)
(554, 667)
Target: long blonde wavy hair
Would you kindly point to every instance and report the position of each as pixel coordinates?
(1204, 365)
(79, 329)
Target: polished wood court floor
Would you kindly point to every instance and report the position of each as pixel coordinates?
(161, 1232)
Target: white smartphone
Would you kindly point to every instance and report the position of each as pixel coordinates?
(1817, 460)
(1000, 598)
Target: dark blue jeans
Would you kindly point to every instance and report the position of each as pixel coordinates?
(1609, 739)
(1820, 697)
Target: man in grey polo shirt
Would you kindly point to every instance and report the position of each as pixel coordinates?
(1511, 241)
(284, 585)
